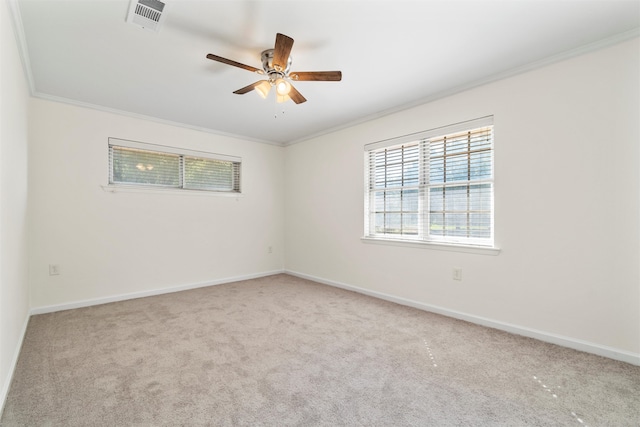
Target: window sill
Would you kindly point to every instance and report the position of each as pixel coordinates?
(140, 189)
(480, 250)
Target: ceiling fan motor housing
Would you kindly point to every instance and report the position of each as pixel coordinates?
(269, 69)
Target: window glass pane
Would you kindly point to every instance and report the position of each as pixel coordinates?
(436, 199)
(392, 224)
(436, 148)
(436, 224)
(393, 201)
(378, 201)
(133, 166)
(379, 177)
(480, 165)
(456, 224)
(481, 139)
(436, 170)
(480, 225)
(411, 173)
(480, 197)
(410, 223)
(455, 198)
(457, 144)
(208, 174)
(396, 167)
(411, 153)
(396, 211)
(410, 200)
(394, 175)
(379, 223)
(456, 168)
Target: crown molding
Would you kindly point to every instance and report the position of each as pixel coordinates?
(24, 55)
(21, 40)
(104, 109)
(562, 56)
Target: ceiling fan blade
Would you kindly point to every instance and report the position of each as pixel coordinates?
(296, 96)
(249, 88)
(234, 63)
(316, 76)
(281, 51)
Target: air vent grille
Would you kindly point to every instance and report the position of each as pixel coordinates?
(147, 14)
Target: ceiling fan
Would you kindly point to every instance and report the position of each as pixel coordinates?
(276, 64)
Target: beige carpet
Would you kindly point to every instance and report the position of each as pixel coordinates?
(282, 351)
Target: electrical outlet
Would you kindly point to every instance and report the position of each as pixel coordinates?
(270, 249)
(54, 269)
(457, 274)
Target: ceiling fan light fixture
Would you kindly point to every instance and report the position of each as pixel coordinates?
(283, 87)
(282, 98)
(263, 89)
(276, 63)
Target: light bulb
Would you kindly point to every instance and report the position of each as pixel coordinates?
(282, 98)
(263, 89)
(282, 87)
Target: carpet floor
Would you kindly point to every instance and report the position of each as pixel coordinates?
(283, 351)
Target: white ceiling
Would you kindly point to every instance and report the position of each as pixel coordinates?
(393, 54)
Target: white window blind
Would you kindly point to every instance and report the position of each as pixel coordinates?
(394, 190)
(435, 186)
(139, 164)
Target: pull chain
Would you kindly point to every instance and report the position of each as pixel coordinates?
(275, 115)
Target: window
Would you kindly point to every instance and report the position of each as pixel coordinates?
(149, 165)
(435, 186)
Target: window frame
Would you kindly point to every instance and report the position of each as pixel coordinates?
(423, 237)
(182, 154)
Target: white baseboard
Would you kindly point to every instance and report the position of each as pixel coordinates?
(576, 344)
(142, 294)
(12, 368)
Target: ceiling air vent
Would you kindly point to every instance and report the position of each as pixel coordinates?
(146, 14)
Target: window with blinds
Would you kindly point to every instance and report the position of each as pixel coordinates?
(139, 164)
(435, 186)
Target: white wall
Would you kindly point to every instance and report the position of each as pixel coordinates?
(113, 244)
(567, 205)
(14, 290)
